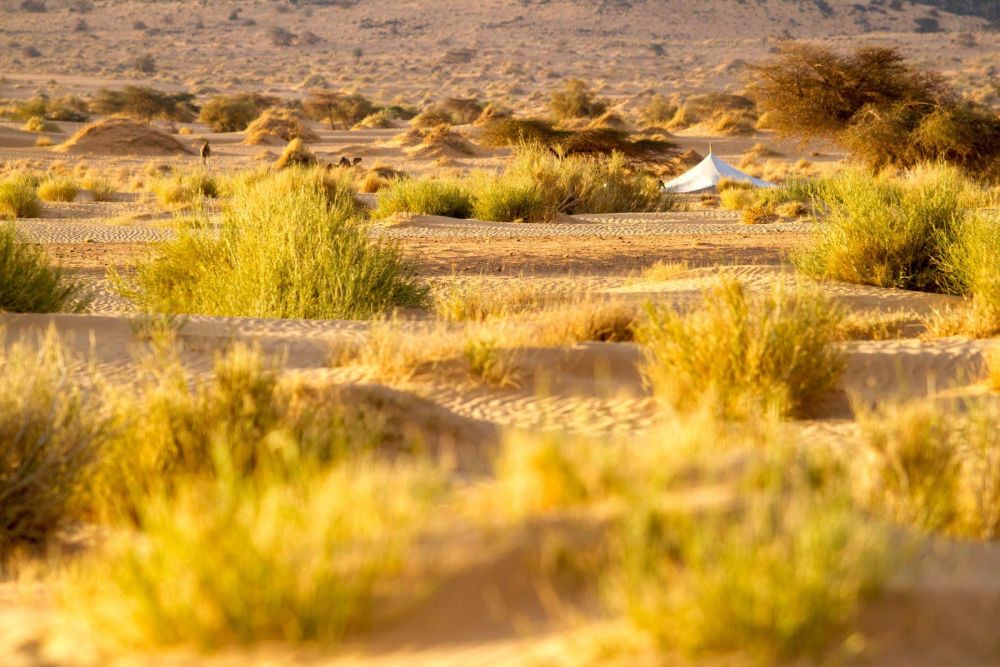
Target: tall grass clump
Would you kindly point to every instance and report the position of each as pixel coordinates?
(743, 353)
(887, 232)
(184, 187)
(971, 266)
(291, 245)
(778, 574)
(537, 186)
(166, 425)
(936, 469)
(772, 562)
(58, 188)
(236, 562)
(424, 197)
(29, 283)
(50, 432)
(19, 198)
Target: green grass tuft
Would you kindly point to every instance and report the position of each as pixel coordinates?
(291, 245)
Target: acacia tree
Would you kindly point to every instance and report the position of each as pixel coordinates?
(875, 104)
(337, 108)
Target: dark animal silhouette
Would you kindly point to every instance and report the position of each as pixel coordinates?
(356, 161)
(206, 152)
(344, 162)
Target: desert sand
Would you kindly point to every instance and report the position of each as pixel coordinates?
(943, 608)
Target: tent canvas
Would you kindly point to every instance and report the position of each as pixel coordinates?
(706, 175)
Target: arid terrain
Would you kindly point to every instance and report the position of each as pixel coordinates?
(521, 461)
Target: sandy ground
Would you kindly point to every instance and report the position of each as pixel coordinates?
(942, 609)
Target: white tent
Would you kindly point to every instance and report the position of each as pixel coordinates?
(707, 173)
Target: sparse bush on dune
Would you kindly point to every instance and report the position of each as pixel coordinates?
(29, 283)
(58, 188)
(275, 125)
(271, 483)
(744, 353)
(18, 198)
(295, 155)
(234, 113)
(936, 469)
(184, 418)
(380, 120)
(426, 197)
(49, 436)
(291, 245)
(576, 100)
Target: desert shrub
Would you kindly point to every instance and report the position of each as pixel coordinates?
(758, 214)
(144, 103)
(380, 120)
(295, 154)
(591, 320)
(731, 123)
(458, 303)
(885, 232)
(307, 560)
(502, 132)
(452, 111)
(102, 189)
(659, 111)
(733, 184)
(58, 188)
(934, 469)
(184, 187)
(145, 64)
(778, 575)
(49, 436)
(426, 197)
(971, 266)
(508, 199)
(338, 109)
(736, 199)
(28, 283)
(233, 113)
(168, 423)
(576, 184)
(280, 36)
(517, 132)
(18, 198)
(290, 245)
(277, 124)
(879, 107)
(39, 124)
(576, 100)
(490, 362)
(743, 353)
